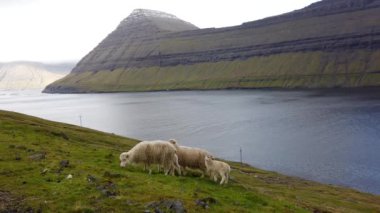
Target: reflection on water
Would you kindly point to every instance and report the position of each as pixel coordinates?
(328, 136)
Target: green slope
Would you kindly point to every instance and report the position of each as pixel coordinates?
(328, 44)
(33, 178)
(314, 70)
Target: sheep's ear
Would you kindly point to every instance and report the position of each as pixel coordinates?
(173, 141)
(209, 157)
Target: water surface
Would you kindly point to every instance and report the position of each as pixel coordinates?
(332, 137)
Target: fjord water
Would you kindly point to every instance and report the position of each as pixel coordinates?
(325, 135)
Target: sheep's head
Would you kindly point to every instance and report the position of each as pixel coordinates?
(208, 158)
(174, 142)
(124, 159)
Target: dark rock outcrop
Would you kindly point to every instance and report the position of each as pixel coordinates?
(206, 202)
(38, 156)
(166, 206)
(64, 163)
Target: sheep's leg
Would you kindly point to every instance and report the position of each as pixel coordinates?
(215, 177)
(211, 175)
(176, 165)
(174, 168)
(184, 171)
(223, 179)
(149, 169)
(202, 173)
(227, 177)
(208, 172)
(178, 170)
(166, 168)
(171, 169)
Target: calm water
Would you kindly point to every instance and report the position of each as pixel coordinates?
(319, 135)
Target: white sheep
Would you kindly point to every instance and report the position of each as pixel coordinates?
(152, 152)
(189, 157)
(215, 168)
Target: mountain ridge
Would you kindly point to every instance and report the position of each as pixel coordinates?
(30, 75)
(338, 43)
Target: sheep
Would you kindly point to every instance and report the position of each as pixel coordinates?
(189, 157)
(152, 152)
(215, 167)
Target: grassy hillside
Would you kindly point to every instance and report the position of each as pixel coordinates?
(314, 70)
(328, 44)
(37, 155)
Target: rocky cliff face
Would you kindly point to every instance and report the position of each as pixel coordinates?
(136, 36)
(331, 43)
(29, 75)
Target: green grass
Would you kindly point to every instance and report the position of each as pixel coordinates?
(40, 184)
(288, 70)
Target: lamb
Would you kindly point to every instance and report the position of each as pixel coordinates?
(215, 167)
(152, 152)
(189, 157)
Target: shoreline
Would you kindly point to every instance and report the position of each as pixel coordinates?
(321, 89)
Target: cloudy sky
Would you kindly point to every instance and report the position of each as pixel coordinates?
(66, 30)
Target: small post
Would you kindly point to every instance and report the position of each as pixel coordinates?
(80, 120)
(241, 156)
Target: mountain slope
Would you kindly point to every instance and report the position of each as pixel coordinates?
(30, 75)
(37, 156)
(327, 44)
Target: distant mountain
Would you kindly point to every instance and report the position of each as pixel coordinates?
(331, 43)
(31, 75)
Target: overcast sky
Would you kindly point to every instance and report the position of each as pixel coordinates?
(66, 30)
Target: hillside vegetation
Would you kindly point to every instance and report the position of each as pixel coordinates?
(328, 44)
(270, 71)
(37, 156)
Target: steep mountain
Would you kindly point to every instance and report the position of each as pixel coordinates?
(331, 43)
(31, 75)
